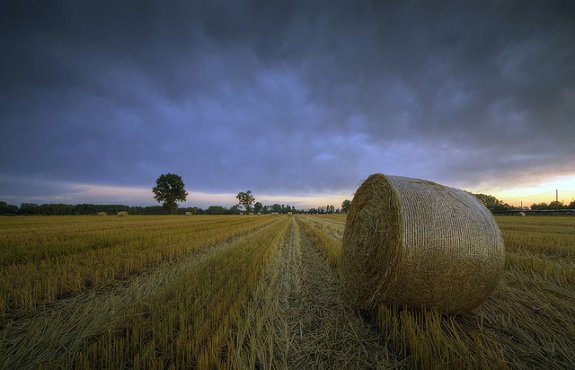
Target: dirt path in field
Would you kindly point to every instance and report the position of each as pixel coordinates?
(308, 318)
(326, 331)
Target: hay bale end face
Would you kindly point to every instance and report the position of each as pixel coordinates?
(417, 243)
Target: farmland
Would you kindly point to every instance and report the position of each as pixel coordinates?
(259, 292)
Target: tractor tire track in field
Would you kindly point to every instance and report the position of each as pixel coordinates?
(326, 331)
(63, 326)
(304, 320)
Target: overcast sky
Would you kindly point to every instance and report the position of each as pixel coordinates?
(294, 100)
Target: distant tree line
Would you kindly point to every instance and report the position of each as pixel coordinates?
(58, 209)
(80, 209)
(327, 210)
(492, 203)
(495, 205)
(552, 205)
(93, 209)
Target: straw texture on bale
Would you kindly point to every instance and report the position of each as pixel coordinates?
(417, 243)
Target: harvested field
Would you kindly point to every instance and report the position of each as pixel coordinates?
(260, 292)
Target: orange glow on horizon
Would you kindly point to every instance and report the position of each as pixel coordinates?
(544, 192)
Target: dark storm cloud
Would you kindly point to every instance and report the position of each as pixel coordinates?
(284, 97)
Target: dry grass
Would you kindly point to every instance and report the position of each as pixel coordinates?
(298, 317)
(270, 297)
(327, 244)
(185, 321)
(527, 323)
(44, 259)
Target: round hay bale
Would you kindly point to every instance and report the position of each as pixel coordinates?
(417, 243)
(102, 214)
(122, 213)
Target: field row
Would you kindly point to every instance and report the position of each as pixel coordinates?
(178, 314)
(94, 256)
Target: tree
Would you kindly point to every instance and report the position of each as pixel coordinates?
(170, 189)
(345, 205)
(245, 200)
(492, 203)
(216, 210)
(556, 205)
(539, 206)
(7, 209)
(258, 207)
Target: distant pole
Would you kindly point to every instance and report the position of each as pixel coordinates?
(557, 201)
(522, 206)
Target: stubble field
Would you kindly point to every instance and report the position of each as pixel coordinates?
(242, 292)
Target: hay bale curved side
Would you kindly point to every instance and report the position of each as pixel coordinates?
(417, 243)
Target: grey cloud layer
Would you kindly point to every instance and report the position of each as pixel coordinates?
(289, 97)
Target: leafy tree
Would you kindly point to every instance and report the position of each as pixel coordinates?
(345, 206)
(492, 203)
(170, 189)
(29, 209)
(556, 205)
(7, 209)
(258, 207)
(245, 200)
(539, 206)
(216, 210)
